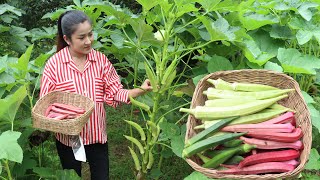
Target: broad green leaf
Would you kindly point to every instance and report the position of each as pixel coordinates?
(56, 174)
(261, 48)
(253, 20)
(314, 160)
(281, 32)
(6, 79)
(196, 176)
(307, 98)
(122, 15)
(28, 162)
(117, 40)
(23, 62)
(219, 29)
(185, 8)
(198, 78)
(4, 28)
(54, 15)
(147, 4)
(6, 7)
(304, 10)
(177, 145)
(306, 30)
(142, 30)
(169, 129)
(155, 173)
(10, 104)
(273, 66)
(41, 59)
(77, 3)
(209, 5)
(0, 167)
(218, 63)
(315, 121)
(9, 147)
(292, 61)
(45, 32)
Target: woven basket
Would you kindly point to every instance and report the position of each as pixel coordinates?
(294, 101)
(67, 126)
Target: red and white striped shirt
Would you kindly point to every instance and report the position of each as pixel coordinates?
(99, 81)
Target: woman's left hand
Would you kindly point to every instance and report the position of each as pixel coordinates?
(146, 85)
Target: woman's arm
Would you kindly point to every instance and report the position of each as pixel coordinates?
(144, 88)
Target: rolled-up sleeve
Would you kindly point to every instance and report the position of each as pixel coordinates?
(114, 92)
(48, 81)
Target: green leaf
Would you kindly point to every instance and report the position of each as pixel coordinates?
(27, 163)
(54, 15)
(253, 20)
(6, 79)
(281, 32)
(209, 5)
(198, 78)
(9, 147)
(196, 176)
(177, 145)
(169, 129)
(143, 30)
(306, 30)
(304, 10)
(43, 33)
(307, 98)
(273, 66)
(185, 8)
(218, 63)
(314, 160)
(10, 104)
(56, 174)
(261, 47)
(6, 7)
(147, 5)
(0, 167)
(77, 3)
(219, 29)
(292, 61)
(23, 62)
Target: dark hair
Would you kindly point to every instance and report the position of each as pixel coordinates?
(67, 24)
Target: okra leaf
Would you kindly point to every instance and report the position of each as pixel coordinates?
(9, 147)
(10, 104)
(169, 129)
(273, 66)
(218, 63)
(56, 174)
(307, 98)
(196, 176)
(28, 162)
(304, 10)
(292, 61)
(177, 145)
(314, 160)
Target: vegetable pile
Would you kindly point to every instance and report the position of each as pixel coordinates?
(63, 111)
(244, 130)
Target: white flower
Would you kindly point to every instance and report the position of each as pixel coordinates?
(158, 35)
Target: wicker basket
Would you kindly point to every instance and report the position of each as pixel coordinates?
(67, 126)
(294, 101)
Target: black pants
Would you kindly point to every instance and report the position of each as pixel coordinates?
(97, 156)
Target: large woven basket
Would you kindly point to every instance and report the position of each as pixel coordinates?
(294, 101)
(67, 126)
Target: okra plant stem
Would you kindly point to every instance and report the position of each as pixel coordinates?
(6, 166)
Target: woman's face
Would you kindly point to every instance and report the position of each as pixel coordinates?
(82, 39)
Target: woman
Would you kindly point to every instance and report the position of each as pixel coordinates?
(76, 67)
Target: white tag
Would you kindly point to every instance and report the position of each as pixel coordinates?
(78, 148)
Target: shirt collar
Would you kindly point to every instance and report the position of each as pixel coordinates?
(66, 56)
